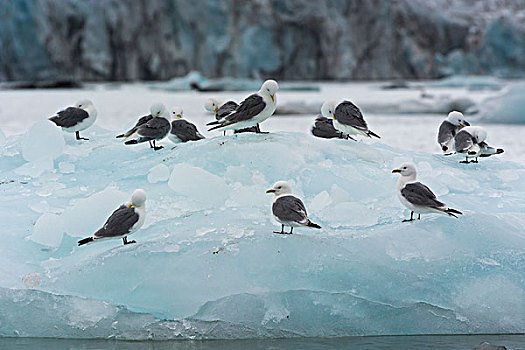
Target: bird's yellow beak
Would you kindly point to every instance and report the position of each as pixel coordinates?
(178, 115)
(130, 205)
(461, 125)
(273, 98)
(396, 171)
(271, 190)
(334, 117)
(215, 111)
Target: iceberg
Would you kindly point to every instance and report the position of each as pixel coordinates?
(207, 265)
(508, 107)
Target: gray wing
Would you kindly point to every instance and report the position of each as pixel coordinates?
(143, 120)
(324, 128)
(154, 129)
(290, 208)
(119, 223)
(446, 132)
(349, 114)
(185, 131)
(69, 117)
(226, 109)
(419, 194)
(249, 108)
(463, 141)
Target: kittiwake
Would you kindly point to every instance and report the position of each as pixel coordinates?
(182, 130)
(471, 142)
(418, 197)
(287, 209)
(252, 111)
(155, 129)
(324, 128)
(77, 118)
(347, 118)
(448, 130)
(124, 221)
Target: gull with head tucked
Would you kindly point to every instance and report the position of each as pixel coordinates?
(448, 130)
(252, 111)
(287, 209)
(470, 141)
(77, 118)
(150, 129)
(124, 221)
(417, 197)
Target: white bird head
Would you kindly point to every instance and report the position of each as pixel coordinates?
(157, 110)
(84, 104)
(269, 88)
(211, 105)
(456, 118)
(328, 109)
(176, 113)
(138, 198)
(406, 169)
(279, 188)
(477, 132)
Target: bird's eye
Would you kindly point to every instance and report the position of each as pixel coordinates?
(404, 167)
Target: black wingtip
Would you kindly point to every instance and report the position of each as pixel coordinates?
(499, 151)
(371, 133)
(451, 212)
(311, 224)
(444, 148)
(85, 241)
(131, 142)
(120, 136)
(215, 122)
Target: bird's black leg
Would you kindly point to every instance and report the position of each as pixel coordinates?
(125, 240)
(465, 161)
(77, 134)
(258, 130)
(282, 230)
(475, 161)
(419, 216)
(350, 137)
(224, 133)
(411, 217)
(150, 145)
(291, 230)
(155, 147)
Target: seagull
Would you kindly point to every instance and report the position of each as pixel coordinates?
(448, 129)
(124, 221)
(77, 118)
(471, 141)
(347, 118)
(287, 209)
(418, 197)
(182, 130)
(324, 128)
(141, 121)
(155, 129)
(253, 110)
(221, 111)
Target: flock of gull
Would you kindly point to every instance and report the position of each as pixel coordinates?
(337, 120)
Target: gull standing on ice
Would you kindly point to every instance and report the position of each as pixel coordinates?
(77, 118)
(155, 129)
(221, 111)
(448, 130)
(141, 121)
(418, 197)
(287, 209)
(252, 111)
(124, 221)
(182, 130)
(347, 118)
(471, 141)
(324, 128)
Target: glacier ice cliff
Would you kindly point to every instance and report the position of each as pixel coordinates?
(207, 265)
(293, 39)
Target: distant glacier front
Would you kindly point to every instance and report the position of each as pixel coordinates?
(207, 265)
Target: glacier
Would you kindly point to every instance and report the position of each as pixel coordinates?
(207, 265)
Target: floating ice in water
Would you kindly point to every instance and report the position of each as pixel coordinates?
(509, 107)
(207, 265)
(158, 173)
(44, 140)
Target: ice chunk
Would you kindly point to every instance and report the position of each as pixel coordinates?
(32, 280)
(44, 140)
(66, 167)
(508, 107)
(48, 230)
(198, 184)
(158, 173)
(84, 216)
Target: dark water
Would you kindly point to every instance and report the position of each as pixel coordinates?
(366, 343)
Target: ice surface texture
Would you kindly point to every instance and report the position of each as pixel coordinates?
(207, 265)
